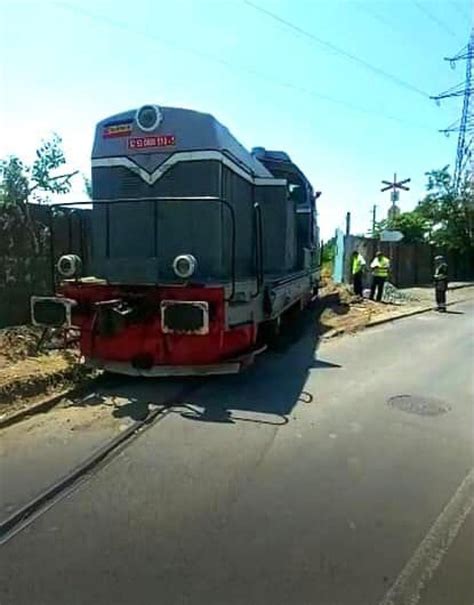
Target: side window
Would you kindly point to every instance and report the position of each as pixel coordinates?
(297, 189)
(297, 192)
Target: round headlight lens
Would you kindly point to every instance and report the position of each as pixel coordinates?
(184, 265)
(69, 265)
(148, 117)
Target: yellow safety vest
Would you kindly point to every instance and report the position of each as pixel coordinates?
(357, 264)
(380, 266)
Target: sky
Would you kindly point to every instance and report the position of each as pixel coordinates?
(346, 95)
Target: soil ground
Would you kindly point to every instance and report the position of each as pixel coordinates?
(343, 312)
(26, 375)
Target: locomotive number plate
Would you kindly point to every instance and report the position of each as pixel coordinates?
(146, 142)
(184, 317)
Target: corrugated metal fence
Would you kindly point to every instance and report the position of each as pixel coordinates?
(411, 264)
(24, 270)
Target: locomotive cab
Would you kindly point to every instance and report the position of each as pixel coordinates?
(301, 196)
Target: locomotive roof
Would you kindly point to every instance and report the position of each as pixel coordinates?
(190, 130)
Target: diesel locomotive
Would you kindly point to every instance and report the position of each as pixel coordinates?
(199, 248)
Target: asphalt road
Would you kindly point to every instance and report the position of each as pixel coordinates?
(39, 451)
(297, 482)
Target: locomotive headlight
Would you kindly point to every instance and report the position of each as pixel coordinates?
(184, 265)
(69, 265)
(148, 117)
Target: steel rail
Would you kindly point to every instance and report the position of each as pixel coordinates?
(54, 493)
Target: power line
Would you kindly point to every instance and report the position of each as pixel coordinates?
(465, 126)
(434, 18)
(338, 50)
(460, 10)
(236, 67)
(385, 21)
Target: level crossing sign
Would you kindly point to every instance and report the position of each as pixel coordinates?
(395, 184)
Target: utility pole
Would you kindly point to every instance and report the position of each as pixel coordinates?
(374, 218)
(348, 223)
(465, 126)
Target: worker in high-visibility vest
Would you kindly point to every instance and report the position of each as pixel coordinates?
(441, 283)
(357, 269)
(380, 269)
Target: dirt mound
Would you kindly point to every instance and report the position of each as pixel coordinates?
(26, 373)
(343, 310)
(342, 292)
(18, 343)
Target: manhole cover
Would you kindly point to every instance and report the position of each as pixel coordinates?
(414, 404)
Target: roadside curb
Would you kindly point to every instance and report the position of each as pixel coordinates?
(43, 406)
(460, 287)
(377, 322)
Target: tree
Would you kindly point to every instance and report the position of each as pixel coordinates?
(449, 211)
(413, 225)
(444, 217)
(87, 186)
(21, 184)
(329, 249)
(14, 182)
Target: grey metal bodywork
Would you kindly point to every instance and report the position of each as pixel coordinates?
(203, 195)
(193, 130)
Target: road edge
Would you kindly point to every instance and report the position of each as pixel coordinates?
(377, 322)
(44, 405)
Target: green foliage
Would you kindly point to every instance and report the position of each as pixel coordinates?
(329, 250)
(413, 225)
(87, 186)
(14, 186)
(20, 183)
(444, 217)
(449, 212)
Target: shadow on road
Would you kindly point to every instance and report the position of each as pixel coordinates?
(272, 386)
(130, 397)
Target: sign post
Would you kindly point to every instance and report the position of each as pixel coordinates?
(391, 236)
(394, 187)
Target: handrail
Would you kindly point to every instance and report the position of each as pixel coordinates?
(259, 247)
(51, 251)
(154, 200)
(233, 244)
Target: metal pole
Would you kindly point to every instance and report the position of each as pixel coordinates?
(51, 249)
(374, 218)
(107, 231)
(348, 223)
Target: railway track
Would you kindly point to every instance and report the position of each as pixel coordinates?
(24, 515)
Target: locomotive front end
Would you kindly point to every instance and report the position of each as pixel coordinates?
(193, 249)
(163, 252)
